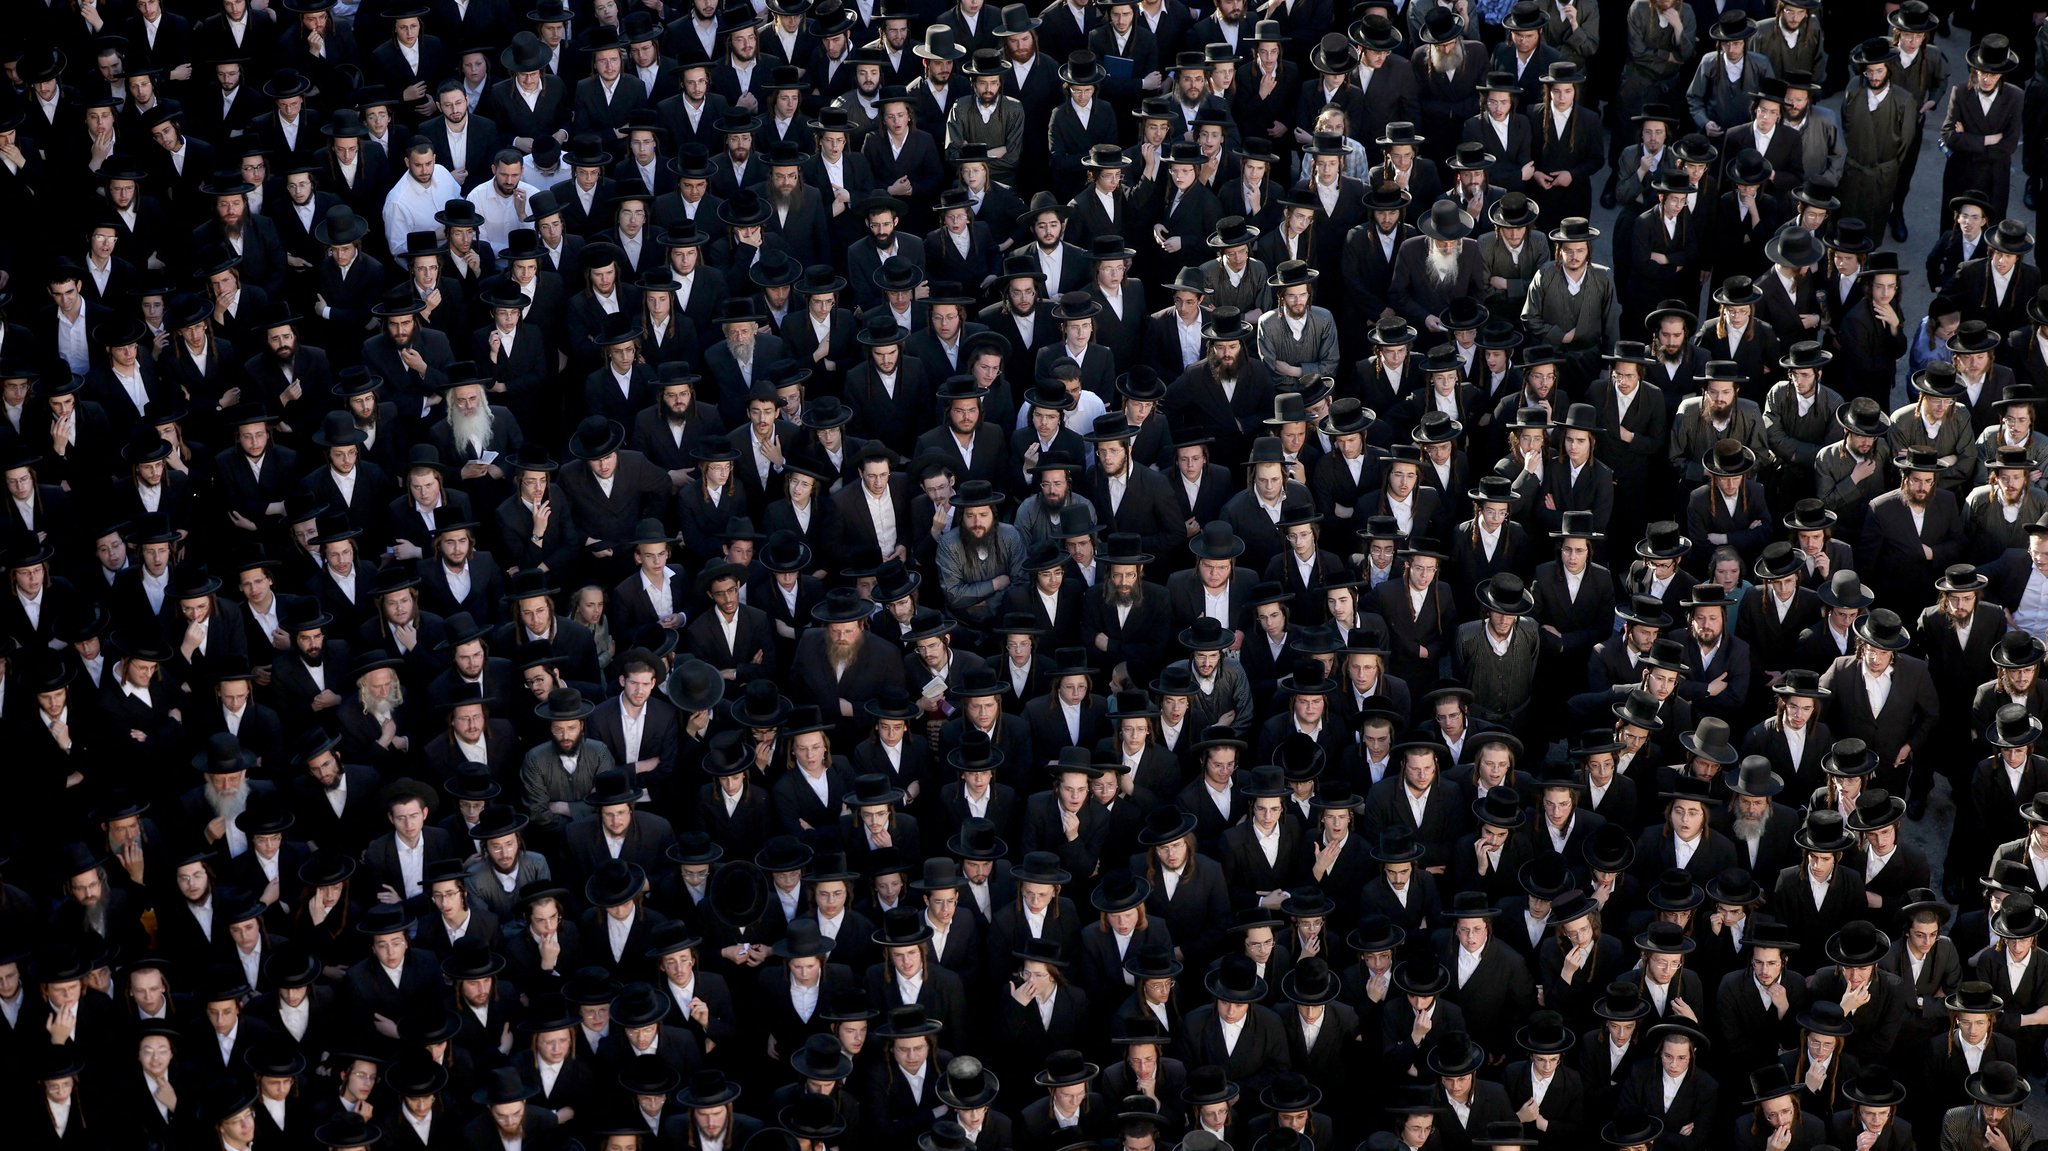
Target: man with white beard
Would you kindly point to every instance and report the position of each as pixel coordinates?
(1449, 70)
(1438, 266)
(1761, 827)
(376, 727)
(476, 432)
(209, 810)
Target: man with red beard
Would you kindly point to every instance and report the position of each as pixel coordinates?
(839, 666)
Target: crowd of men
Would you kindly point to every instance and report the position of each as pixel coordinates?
(633, 575)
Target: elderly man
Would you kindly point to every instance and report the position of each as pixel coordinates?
(376, 723)
(207, 812)
(474, 428)
(839, 665)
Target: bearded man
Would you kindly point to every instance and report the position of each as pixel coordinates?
(557, 774)
(474, 427)
(1910, 535)
(475, 740)
(1449, 70)
(981, 557)
(376, 725)
(322, 780)
(1229, 394)
(208, 811)
(292, 379)
(1880, 123)
(1126, 617)
(839, 666)
(1439, 265)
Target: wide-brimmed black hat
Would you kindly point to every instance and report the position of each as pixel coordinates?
(1997, 1083)
(1235, 979)
(1883, 628)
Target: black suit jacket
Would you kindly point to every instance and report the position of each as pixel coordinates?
(1911, 710)
(1261, 1053)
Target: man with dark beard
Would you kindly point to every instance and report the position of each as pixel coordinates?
(322, 779)
(293, 379)
(980, 557)
(991, 118)
(859, 102)
(1227, 395)
(839, 666)
(1716, 413)
(508, 1121)
(1676, 362)
(1824, 156)
(410, 357)
(233, 227)
(1125, 616)
(1129, 497)
(306, 677)
(556, 775)
(1880, 122)
(796, 211)
(1909, 535)
(1042, 516)
(668, 430)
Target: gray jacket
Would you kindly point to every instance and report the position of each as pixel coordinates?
(967, 579)
(486, 892)
(1823, 153)
(546, 782)
(1315, 353)
(1712, 98)
(1232, 693)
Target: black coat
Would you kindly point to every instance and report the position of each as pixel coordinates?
(1261, 1053)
